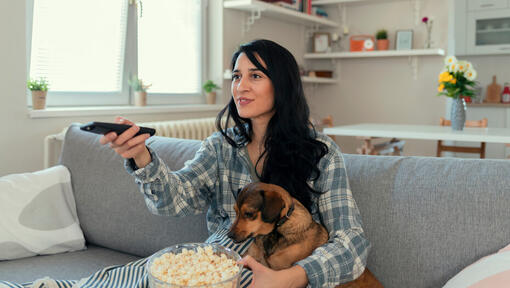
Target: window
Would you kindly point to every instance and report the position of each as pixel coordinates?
(89, 49)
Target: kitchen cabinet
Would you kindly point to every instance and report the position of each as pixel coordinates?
(499, 117)
(481, 5)
(479, 27)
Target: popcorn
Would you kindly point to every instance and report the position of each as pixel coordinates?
(194, 268)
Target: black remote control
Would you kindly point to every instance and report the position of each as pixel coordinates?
(104, 127)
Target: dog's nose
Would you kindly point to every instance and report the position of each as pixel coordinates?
(233, 236)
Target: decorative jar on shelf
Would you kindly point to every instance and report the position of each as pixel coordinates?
(428, 24)
(505, 96)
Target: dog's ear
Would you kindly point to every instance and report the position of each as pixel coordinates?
(271, 207)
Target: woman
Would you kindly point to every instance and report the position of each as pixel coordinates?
(272, 141)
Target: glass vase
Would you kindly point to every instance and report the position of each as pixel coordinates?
(458, 113)
(428, 41)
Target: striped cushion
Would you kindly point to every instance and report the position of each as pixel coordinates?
(491, 271)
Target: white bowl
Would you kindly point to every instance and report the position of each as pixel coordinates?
(233, 282)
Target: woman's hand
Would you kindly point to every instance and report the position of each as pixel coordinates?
(264, 277)
(128, 146)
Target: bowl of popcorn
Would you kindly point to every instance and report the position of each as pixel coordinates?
(194, 265)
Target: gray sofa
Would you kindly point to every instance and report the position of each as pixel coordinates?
(427, 218)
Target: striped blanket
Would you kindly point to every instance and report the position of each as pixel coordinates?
(131, 275)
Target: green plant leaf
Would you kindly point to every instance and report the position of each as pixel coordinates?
(40, 84)
(209, 86)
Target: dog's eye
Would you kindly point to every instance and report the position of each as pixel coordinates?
(248, 214)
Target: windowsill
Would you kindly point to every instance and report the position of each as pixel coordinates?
(116, 110)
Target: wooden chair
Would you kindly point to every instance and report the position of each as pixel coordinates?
(462, 149)
(392, 147)
(324, 122)
(328, 122)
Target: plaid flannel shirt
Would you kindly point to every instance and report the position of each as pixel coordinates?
(210, 182)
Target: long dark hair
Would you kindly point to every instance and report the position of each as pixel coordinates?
(291, 150)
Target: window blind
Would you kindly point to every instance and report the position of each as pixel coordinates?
(78, 46)
(170, 45)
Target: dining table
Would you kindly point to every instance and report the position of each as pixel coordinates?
(369, 131)
(424, 132)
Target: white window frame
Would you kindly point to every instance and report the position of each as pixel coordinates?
(125, 97)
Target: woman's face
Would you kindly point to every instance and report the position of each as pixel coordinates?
(252, 90)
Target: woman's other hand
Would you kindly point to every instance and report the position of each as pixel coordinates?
(264, 277)
(128, 146)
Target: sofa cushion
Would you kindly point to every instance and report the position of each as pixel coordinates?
(490, 271)
(110, 207)
(38, 214)
(65, 266)
(427, 218)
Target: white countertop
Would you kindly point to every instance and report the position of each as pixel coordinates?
(424, 132)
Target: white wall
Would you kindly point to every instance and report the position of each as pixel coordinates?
(383, 89)
(289, 35)
(21, 137)
(379, 90)
(369, 90)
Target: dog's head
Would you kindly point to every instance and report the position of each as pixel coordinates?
(259, 207)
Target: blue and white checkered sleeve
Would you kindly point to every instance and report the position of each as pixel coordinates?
(179, 193)
(344, 257)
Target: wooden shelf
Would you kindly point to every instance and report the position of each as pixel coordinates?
(306, 79)
(493, 30)
(388, 53)
(277, 12)
(318, 80)
(495, 105)
(333, 2)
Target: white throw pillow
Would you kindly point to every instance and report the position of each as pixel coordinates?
(491, 271)
(38, 214)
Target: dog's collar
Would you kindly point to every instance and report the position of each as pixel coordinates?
(286, 217)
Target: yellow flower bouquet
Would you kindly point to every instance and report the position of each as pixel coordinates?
(456, 80)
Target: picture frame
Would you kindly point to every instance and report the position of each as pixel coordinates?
(404, 40)
(321, 42)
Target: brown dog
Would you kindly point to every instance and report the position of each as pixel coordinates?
(284, 230)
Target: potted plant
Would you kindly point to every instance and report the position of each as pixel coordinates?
(457, 82)
(140, 90)
(210, 95)
(382, 39)
(39, 88)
